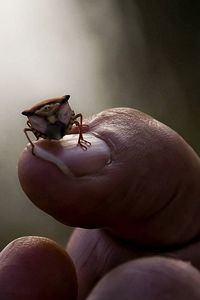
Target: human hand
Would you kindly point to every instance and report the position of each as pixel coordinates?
(144, 202)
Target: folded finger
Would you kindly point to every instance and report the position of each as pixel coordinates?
(149, 279)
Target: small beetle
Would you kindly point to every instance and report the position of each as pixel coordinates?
(52, 119)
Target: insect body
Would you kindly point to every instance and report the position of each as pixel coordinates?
(52, 119)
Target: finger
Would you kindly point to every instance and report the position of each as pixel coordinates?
(36, 268)
(153, 177)
(95, 253)
(149, 279)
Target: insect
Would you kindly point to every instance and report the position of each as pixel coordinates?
(52, 119)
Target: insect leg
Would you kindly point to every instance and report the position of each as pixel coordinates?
(28, 123)
(81, 139)
(28, 138)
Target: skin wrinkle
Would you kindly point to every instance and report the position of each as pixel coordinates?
(95, 275)
(111, 126)
(82, 262)
(108, 254)
(120, 251)
(172, 198)
(103, 266)
(147, 217)
(122, 146)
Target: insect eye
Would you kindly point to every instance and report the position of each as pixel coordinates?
(46, 108)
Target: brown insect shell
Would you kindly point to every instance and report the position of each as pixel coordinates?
(53, 124)
(42, 103)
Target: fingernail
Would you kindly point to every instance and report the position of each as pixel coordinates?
(71, 158)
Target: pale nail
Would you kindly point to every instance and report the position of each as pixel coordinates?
(71, 158)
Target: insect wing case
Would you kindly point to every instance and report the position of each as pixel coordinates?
(66, 116)
(38, 123)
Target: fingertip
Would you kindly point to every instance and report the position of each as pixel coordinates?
(36, 268)
(149, 278)
(60, 173)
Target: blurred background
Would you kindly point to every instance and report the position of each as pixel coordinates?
(142, 54)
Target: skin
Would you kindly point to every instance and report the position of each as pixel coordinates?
(138, 213)
(36, 268)
(150, 278)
